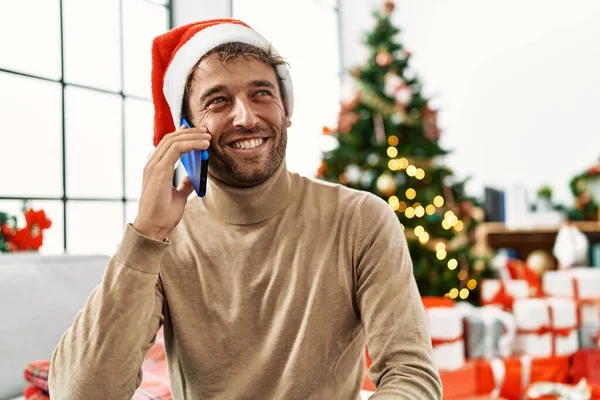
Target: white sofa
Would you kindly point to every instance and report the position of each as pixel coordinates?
(39, 297)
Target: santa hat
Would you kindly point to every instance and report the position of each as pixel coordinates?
(176, 52)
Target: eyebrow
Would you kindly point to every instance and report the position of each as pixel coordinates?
(262, 83)
(209, 92)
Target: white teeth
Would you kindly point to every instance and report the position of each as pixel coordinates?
(248, 144)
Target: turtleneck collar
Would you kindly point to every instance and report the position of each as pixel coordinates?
(243, 206)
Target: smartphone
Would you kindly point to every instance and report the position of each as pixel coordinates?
(196, 164)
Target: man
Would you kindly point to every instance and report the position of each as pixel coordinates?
(271, 285)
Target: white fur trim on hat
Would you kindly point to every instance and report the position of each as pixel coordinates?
(201, 43)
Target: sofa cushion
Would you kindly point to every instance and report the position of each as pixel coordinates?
(39, 298)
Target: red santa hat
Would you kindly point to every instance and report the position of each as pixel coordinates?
(177, 51)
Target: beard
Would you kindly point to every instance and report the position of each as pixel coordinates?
(248, 172)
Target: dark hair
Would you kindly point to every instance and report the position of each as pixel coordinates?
(231, 51)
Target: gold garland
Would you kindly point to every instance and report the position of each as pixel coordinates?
(374, 100)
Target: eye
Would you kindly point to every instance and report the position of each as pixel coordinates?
(261, 93)
(217, 100)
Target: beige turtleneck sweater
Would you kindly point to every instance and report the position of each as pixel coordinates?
(264, 293)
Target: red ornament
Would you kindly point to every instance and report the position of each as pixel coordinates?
(7, 231)
(384, 59)
(37, 218)
(23, 240)
(432, 132)
(30, 237)
(321, 170)
(346, 121)
(388, 7)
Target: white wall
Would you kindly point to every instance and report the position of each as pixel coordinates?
(517, 82)
(186, 11)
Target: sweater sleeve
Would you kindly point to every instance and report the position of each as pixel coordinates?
(101, 354)
(392, 313)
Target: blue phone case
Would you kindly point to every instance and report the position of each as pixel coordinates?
(196, 164)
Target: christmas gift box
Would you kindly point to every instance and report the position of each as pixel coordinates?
(546, 327)
(503, 292)
(586, 364)
(509, 377)
(583, 390)
(461, 383)
(583, 286)
(489, 332)
(446, 328)
(434, 301)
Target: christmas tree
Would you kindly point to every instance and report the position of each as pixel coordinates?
(387, 143)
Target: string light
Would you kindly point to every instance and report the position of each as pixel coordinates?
(464, 293)
(453, 293)
(409, 212)
(403, 163)
(393, 164)
(411, 170)
(393, 140)
(446, 224)
(438, 201)
(430, 209)
(472, 284)
(394, 202)
(459, 226)
(441, 254)
(440, 246)
(411, 193)
(452, 264)
(420, 174)
(402, 206)
(462, 275)
(419, 211)
(419, 230)
(424, 238)
(392, 152)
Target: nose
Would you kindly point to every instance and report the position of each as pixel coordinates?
(243, 115)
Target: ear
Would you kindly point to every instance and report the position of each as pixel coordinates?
(288, 121)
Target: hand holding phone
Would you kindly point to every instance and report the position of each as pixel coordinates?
(161, 205)
(196, 164)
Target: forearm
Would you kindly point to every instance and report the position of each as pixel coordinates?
(100, 356)
(392, 313)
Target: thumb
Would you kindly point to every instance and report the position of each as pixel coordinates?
(185, 187)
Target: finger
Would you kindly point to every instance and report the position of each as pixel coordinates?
(174, 152)
(200, 129)
(172, 139)
(185, 187)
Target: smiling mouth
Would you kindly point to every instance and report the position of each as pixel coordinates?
(248, 144)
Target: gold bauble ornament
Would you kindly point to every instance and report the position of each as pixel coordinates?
(540, 261)
(478, 214)
(479, 266)
(386, 184)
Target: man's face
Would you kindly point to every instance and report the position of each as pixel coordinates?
(240, 105)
